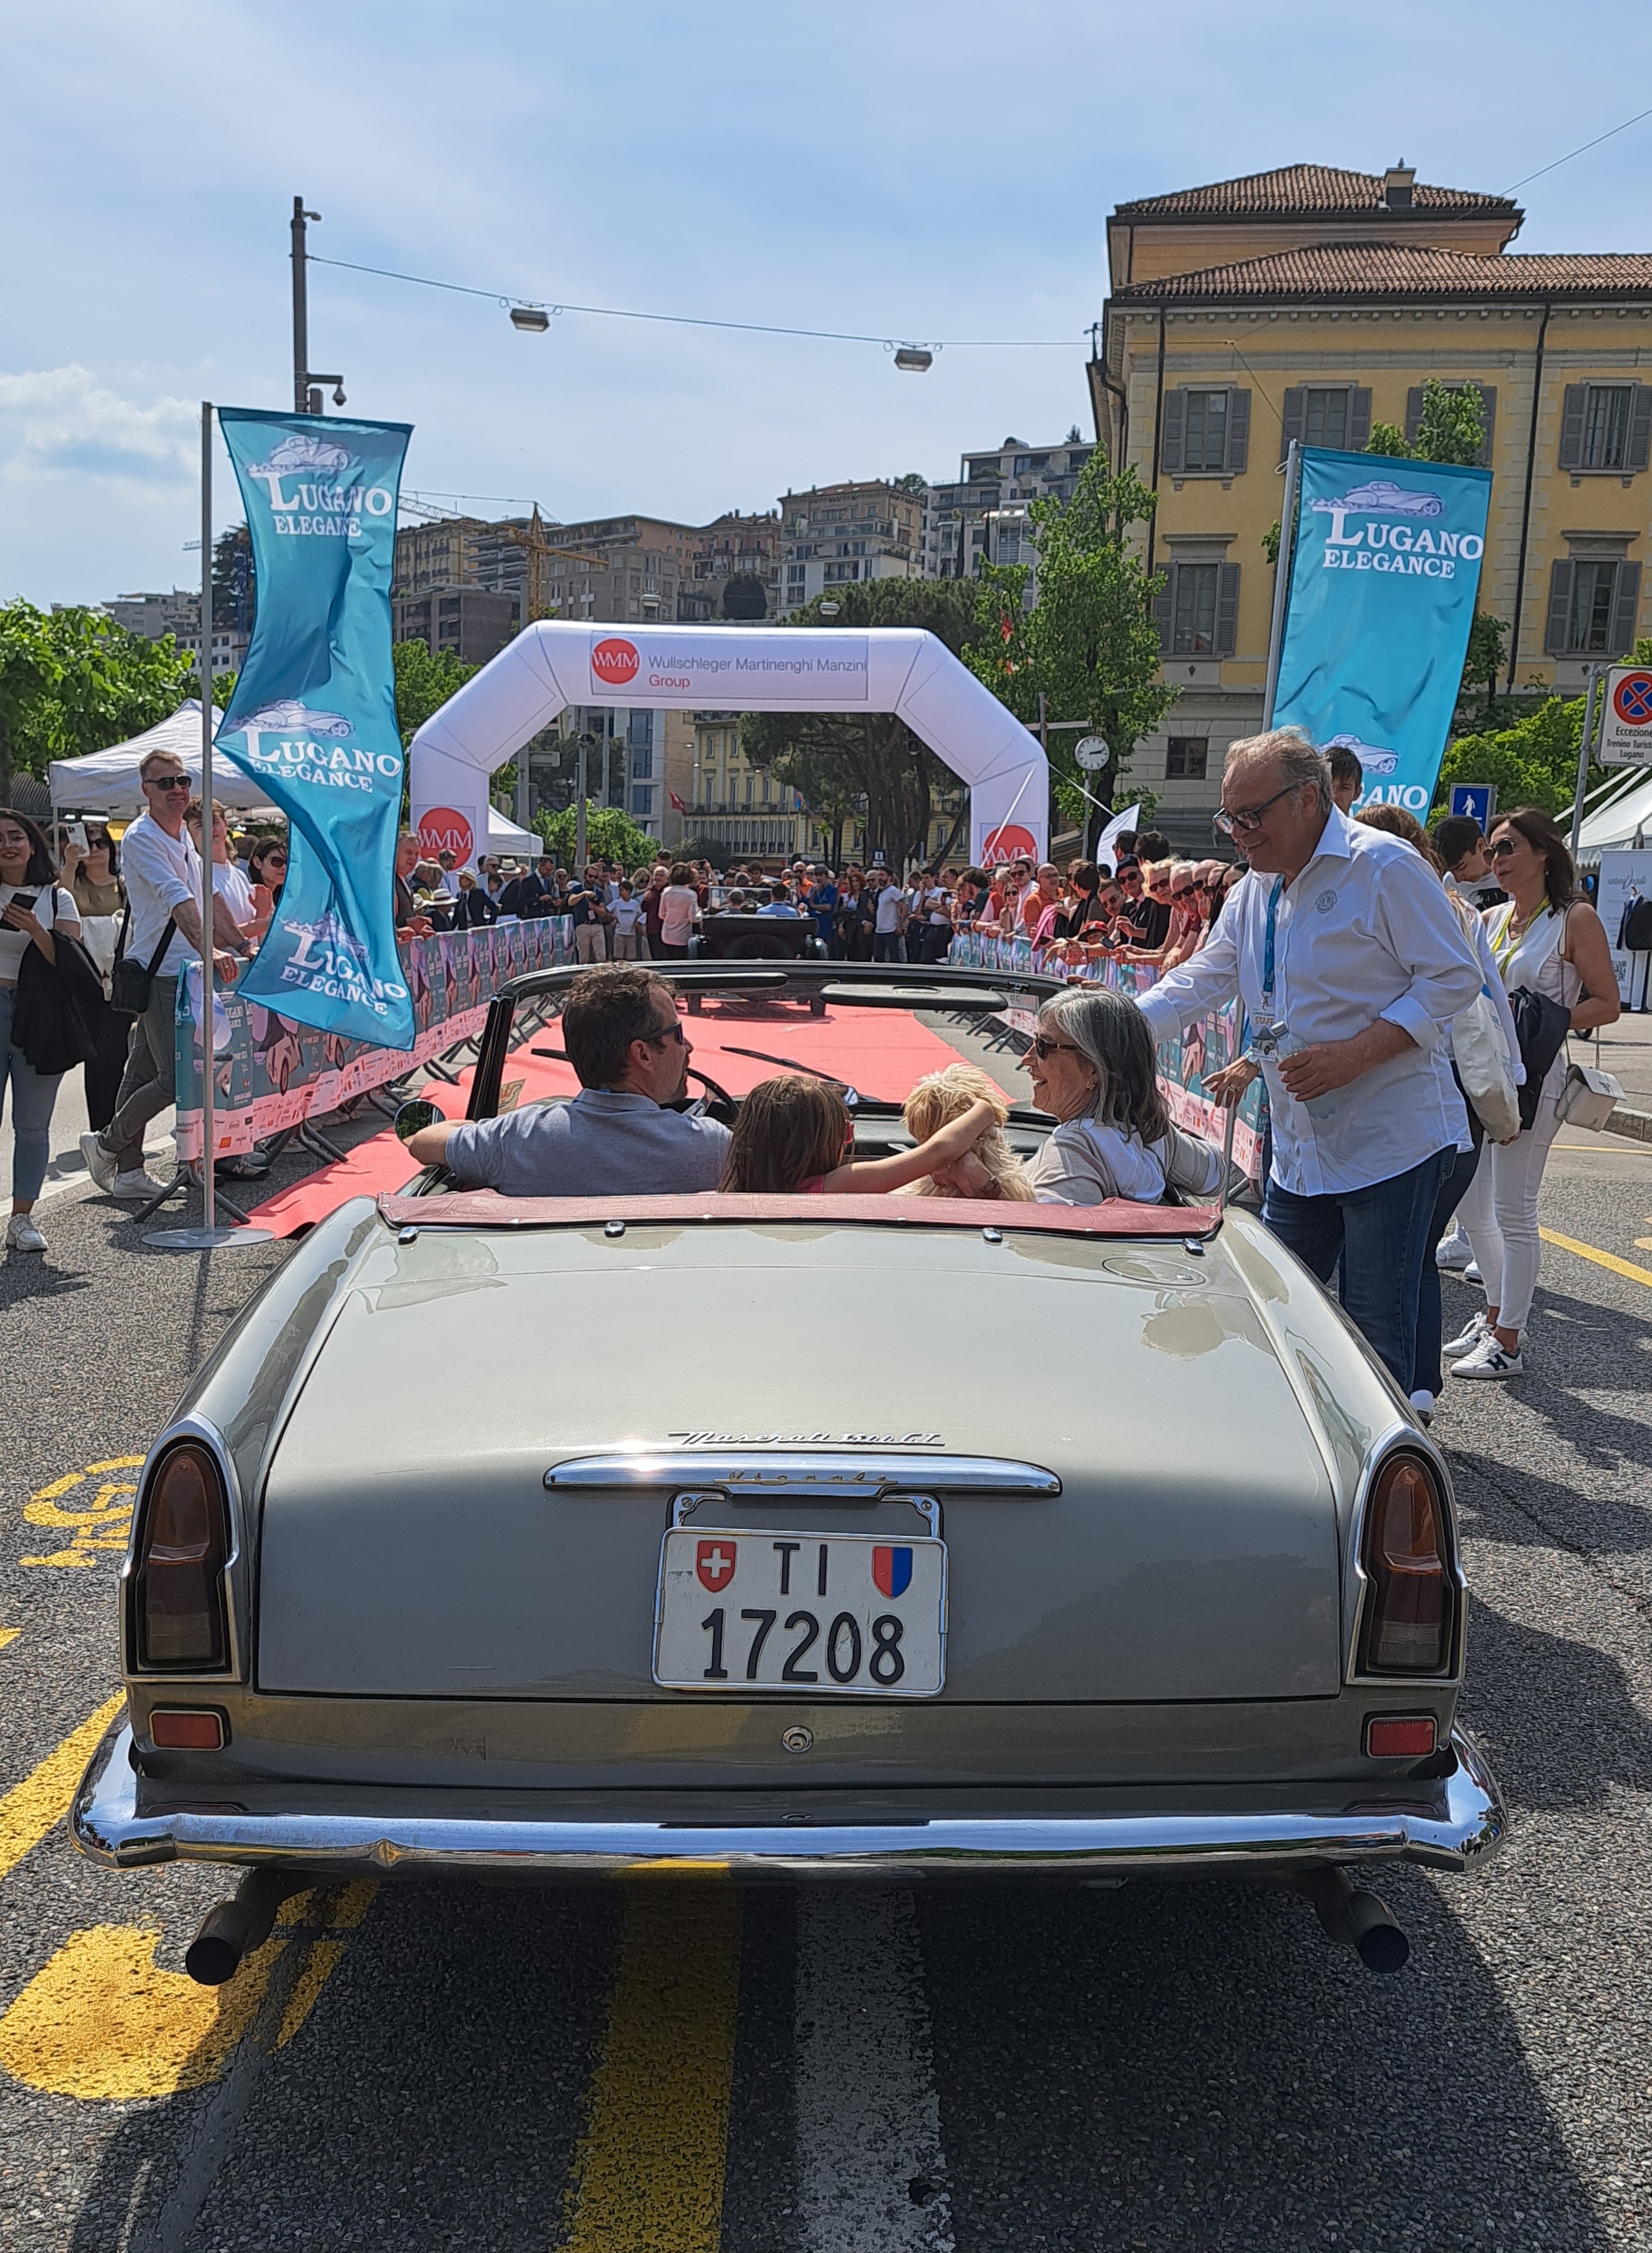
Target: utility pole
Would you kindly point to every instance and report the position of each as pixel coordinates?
(306, 383)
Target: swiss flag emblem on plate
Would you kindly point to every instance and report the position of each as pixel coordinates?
(714, 1562)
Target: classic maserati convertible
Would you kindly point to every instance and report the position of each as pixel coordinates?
(914, 1538)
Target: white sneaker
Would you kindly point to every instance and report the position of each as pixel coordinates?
(21, 1234)
(1465, 1341)
(1454, 1251)
(99, 1163)
(133, 1186)
(1422, 1403)
(1489, 1359)
(1471, 1272)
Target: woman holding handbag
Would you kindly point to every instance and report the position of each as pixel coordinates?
(35, 912)
(92, 871)
(1548, 941)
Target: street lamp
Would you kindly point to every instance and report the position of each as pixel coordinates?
(914, 360)
(306, 381)
(532, 317)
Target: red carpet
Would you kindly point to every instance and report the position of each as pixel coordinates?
(881, 1052)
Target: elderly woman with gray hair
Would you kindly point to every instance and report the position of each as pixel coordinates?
(1093, 1066)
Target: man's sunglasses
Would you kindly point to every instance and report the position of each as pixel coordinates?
(671, 1032)
(168, 782)
(1242, 819)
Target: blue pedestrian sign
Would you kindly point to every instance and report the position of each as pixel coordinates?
(1478, 799)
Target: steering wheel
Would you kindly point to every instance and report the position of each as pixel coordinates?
(702, 1104)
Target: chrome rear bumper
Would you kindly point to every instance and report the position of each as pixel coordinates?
(1451, 1824)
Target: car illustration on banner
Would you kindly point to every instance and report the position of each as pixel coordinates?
(299, 451)
(289, 714)
(1380, 498)
(1373, 759)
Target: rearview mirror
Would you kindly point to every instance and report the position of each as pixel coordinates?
(414, 1117)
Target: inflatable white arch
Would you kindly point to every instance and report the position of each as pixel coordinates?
(900, 669)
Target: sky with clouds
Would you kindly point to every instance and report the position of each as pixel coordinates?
(909, 168)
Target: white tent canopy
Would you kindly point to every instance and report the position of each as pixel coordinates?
(1616, 823)
(107, 782)
(552, 664)
(505, 836)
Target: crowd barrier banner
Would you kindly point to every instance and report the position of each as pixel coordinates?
(1382, 596)
(275, 1072)
(313, 716)
(1185, 1059)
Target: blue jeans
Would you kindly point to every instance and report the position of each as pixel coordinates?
(33, 1094)
(1427, 1375)
(1380, 1233)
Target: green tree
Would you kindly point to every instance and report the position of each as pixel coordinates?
(1452, 427)
(1488, 645)
(1088, 645)
(610, 834)
(840, 762)
(73, 682)
(424, 683)
(234, 581)
(1533, 763)
(912, 483)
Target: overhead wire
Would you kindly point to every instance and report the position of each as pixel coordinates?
(1608, 135)
(694, 320)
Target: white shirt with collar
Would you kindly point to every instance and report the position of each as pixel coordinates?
(1364, 932)
(161, 872)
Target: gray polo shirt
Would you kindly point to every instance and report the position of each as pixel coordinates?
(602, 1144)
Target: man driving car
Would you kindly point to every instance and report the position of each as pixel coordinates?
(626, 1041)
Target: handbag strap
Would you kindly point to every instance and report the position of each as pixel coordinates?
(162, 944)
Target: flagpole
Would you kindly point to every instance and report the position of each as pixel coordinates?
(208, 1237)
(1282, 575)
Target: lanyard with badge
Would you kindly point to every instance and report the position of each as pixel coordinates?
(1270, 1037)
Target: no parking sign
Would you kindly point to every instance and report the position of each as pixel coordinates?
(1625, 726)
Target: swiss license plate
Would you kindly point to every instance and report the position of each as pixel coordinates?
(813, 1614)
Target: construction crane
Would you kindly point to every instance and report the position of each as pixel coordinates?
(530, 537)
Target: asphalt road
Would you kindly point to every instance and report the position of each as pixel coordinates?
(845, 2072)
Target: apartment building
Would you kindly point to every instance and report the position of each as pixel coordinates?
(152, 617)
(735, 546)
(642, 561)
(1311, 302)
(472, 622)
(835, 535)
(983, 515)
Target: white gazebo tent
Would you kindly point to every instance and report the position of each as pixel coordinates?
(505, 836)
(1620, 822)
(107, 782)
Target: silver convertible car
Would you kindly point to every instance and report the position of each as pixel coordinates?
(906, 1537)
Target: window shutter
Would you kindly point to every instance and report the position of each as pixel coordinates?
(1413, 413)
(1239, 443)
(1640, 446)
(1359, 418)
(1291, 422)
(1164, 609)
(1571, 426)
(1557, 630)
(1227, 636)
(1173, 437)
(1626, 600)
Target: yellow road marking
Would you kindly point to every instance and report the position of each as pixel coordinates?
(9, 1635)
(648, 2172)
(101, 1528)
(1600, 1259)
(41, 1800)
(103, 2020)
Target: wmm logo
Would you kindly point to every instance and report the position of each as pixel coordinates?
(615, 662)
(443, 829)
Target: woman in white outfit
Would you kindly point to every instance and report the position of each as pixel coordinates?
(1549, 940)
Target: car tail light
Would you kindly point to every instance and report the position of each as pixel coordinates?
(186, 1728)
(1409, 1614)
(1388, 1736)
(181, 1620)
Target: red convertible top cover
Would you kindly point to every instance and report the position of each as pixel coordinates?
(487, 1209)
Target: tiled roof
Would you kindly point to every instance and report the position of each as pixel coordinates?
(1294, 191)
(1342, 271)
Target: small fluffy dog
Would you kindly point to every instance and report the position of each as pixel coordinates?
(941, 1096)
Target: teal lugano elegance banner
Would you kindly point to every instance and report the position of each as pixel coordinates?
(1385, 565)
(313, 717)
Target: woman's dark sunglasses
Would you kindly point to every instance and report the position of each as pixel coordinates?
(1043, 1046)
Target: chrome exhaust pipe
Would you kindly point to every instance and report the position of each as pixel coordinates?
(238, 1926)
(1356, 1920)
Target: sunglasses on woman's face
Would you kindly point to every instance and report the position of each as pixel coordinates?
(1502, 850)
(1044, 1047)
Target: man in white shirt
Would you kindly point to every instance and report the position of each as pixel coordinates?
(1344, 950)
(162, 872)
(893, 909)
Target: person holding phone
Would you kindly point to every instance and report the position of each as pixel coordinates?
(92, 872)
(34, 909)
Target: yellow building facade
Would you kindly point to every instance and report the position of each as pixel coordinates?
(1313, 303)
